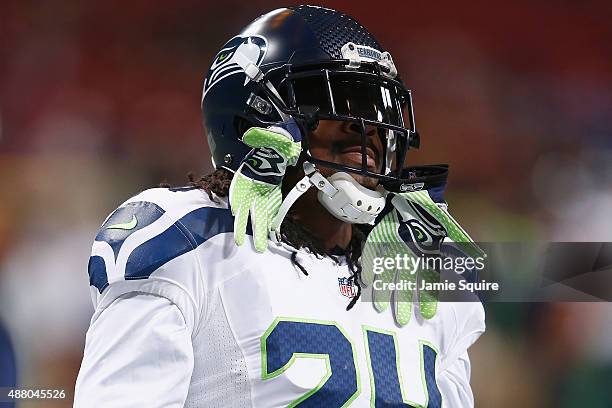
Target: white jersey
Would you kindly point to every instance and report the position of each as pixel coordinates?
(184, 317)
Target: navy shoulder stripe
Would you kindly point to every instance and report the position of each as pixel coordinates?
(186, 234)
(97, 273)
(124, 221)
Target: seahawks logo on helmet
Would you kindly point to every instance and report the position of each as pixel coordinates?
(225, 63)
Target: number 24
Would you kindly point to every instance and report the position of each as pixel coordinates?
(287, 339)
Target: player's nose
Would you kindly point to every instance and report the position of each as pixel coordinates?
(354, 128)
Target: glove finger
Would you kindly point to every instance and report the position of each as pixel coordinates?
(259, 221)
(372, 273)
(373, 251)
(381, 294)
(368, 255)
(382, 244)
(403, 297)
(240, 222)
(264, 210)
(240, 195)
(239, 191)
(403, 312)
(259, 137)
(281, 143)
(428, 299)
(233, 189)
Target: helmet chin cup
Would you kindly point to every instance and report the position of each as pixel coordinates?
(340, 194)
(352, 202)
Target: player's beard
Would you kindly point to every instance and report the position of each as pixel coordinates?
(373, 164)
(367, 182)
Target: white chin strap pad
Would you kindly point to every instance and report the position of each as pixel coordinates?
(352, 202)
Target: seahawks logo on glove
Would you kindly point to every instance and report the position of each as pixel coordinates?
(423, 235)
(265, 162)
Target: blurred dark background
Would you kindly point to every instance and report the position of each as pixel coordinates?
(99, 100)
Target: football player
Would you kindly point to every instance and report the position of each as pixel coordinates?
(241, 290)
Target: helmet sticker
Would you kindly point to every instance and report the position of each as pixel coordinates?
(356, 54)
(225, 63)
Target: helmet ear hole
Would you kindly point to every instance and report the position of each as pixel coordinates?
(242, 124)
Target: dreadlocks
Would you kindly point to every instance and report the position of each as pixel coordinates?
(217, 184)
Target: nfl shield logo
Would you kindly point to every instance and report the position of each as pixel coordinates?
(347, 288)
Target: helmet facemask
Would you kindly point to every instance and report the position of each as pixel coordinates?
(359, 90)
(333, 91)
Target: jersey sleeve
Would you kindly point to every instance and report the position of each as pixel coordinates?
(454, 383)
(149, 294)
(138, 352)
(468, 315)
(467, 326)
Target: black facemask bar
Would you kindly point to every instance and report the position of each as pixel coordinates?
(363, 97)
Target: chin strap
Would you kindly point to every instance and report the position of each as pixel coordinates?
(312, 178)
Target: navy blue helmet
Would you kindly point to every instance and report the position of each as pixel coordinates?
(310, 63)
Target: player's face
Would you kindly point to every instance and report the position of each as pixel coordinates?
(340, 142)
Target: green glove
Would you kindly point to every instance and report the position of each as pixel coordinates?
(414, 227)
(256, 186)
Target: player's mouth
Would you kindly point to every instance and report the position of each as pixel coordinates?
(352, 157)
